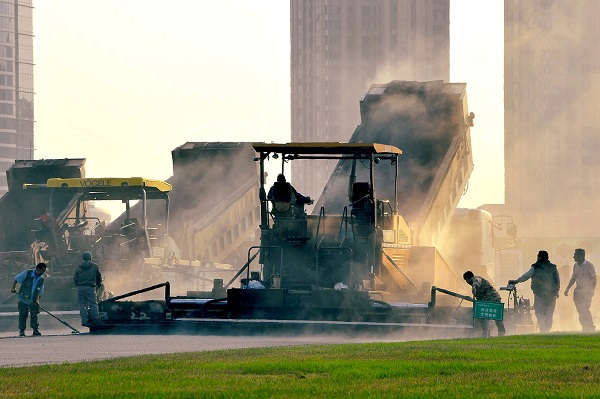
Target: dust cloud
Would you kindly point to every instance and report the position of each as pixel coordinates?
(552, 82)
(415, 117)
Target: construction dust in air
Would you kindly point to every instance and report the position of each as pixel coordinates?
(208, 251)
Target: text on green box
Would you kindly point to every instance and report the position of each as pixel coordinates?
(488, 310)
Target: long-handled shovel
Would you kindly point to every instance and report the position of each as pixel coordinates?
(29, 302)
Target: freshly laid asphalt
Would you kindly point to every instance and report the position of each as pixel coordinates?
(60, 346)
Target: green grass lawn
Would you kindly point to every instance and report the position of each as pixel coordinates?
(559, 366)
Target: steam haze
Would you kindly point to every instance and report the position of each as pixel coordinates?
(127, 92)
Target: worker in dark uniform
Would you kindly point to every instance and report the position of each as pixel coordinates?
(484, 291)
(284, 196)
(545, 284)
(30, 292)
(88, 279)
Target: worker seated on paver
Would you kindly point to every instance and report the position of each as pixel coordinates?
(286, 200)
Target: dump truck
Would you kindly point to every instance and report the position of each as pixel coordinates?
(215, 210)
(430, 121)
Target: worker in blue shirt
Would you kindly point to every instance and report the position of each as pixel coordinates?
(32, 288)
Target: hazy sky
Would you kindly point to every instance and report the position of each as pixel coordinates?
(122, 83)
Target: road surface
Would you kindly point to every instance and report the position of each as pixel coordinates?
(63, 347)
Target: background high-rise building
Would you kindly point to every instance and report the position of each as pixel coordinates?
(339, 48)
(552, 118)
(16, 84)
